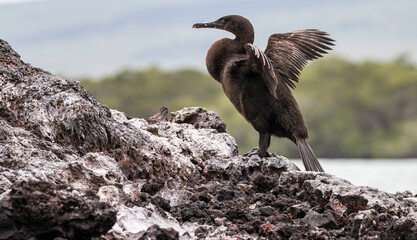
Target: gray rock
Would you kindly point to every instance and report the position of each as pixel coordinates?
(156, 233)
(322, 220)
(45, 211)
(184, 174)
(267, 211)
(199, 118)
(52, 130)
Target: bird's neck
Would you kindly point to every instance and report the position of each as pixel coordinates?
(223, 50)
(244, 37)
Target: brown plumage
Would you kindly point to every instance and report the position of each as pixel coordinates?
(258, 83)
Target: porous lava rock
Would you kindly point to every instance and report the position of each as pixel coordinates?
(45, 211)
(73, 168)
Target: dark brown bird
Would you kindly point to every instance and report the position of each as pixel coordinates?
(161, 116)
(258, 83)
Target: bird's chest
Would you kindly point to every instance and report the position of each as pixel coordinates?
(217, 57)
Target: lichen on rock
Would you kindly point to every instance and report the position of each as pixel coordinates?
(73, 168)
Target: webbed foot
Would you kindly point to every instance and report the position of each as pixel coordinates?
(257, 151)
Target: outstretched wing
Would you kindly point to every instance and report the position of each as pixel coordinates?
(261, 64)
(291, 51)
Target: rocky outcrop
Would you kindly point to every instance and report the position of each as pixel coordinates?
(73, 168)
(46, 210)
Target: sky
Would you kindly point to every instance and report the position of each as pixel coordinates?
(77, 38)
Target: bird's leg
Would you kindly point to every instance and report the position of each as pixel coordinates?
(264, 142)
(262, 150)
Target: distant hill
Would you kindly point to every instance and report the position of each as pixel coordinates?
(361, 110)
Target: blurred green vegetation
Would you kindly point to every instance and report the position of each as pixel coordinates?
(358, 110)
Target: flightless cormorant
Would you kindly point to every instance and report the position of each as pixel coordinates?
(258, 83)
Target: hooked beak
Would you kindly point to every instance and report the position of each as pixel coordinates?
(215, 24)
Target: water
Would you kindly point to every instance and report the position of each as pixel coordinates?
(390, 175)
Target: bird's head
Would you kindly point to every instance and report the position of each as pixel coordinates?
(235, 24)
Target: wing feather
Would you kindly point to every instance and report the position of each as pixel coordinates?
(260, 63)
(290, 52)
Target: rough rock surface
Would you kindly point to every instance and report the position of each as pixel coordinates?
(73, 168)
(46, 210)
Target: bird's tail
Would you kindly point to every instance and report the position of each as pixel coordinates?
(307, 155)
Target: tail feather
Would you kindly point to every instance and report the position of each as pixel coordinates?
(307, 155)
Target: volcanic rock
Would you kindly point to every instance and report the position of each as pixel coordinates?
(73, 168)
